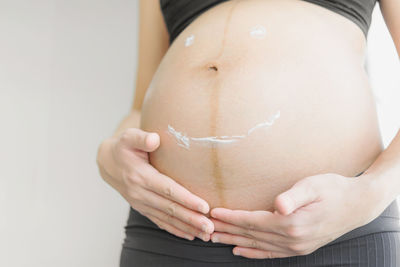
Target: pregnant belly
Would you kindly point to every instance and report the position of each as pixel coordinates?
(273, 92)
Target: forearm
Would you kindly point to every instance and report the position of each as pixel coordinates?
(383, 176)
(132, 120)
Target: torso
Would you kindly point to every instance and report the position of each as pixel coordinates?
(307, 71)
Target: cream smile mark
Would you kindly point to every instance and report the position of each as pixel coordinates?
(258, 32)
(185, 141)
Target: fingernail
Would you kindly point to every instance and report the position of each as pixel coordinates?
(189, 237)
(214, 239)
(236, 252)
(150, 137)
(202, 236)
(204, 228)
(202, 208)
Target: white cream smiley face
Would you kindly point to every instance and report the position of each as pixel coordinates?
(185, 141)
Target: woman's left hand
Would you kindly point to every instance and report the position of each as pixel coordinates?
(313, 212)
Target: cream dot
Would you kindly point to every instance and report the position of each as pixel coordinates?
(189, 40)
(258, 32)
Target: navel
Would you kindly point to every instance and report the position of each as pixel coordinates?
(213, 68)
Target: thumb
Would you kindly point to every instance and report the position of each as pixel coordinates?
(138, 139)
(151, 142)
(300, 194)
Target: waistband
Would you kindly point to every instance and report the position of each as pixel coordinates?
(143, 234)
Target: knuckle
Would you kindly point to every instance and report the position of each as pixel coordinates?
(132, 178)
(248, 233)
(190, 219)
(171, 209)
(142, 178)
(255, 244)
(125, 135)
(294, 231)
(250, 225)
(167, 190)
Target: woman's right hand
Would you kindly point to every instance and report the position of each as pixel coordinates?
(123, 163)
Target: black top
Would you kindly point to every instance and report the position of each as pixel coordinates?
(178, 14)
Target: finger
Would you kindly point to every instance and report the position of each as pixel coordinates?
(300, 194)
(260, 220)
(170, 228)
(165, 186)
(260, 254)
(168, 219)
(175, 209)
(271, 237)
(136, 138)
(242, 241)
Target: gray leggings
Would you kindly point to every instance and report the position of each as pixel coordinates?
(373, 250)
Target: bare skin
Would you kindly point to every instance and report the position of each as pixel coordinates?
(328, 122)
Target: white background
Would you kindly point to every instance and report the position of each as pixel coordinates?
(67, 72)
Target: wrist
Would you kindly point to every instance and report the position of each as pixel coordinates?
(132, 120)
(373, 193)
